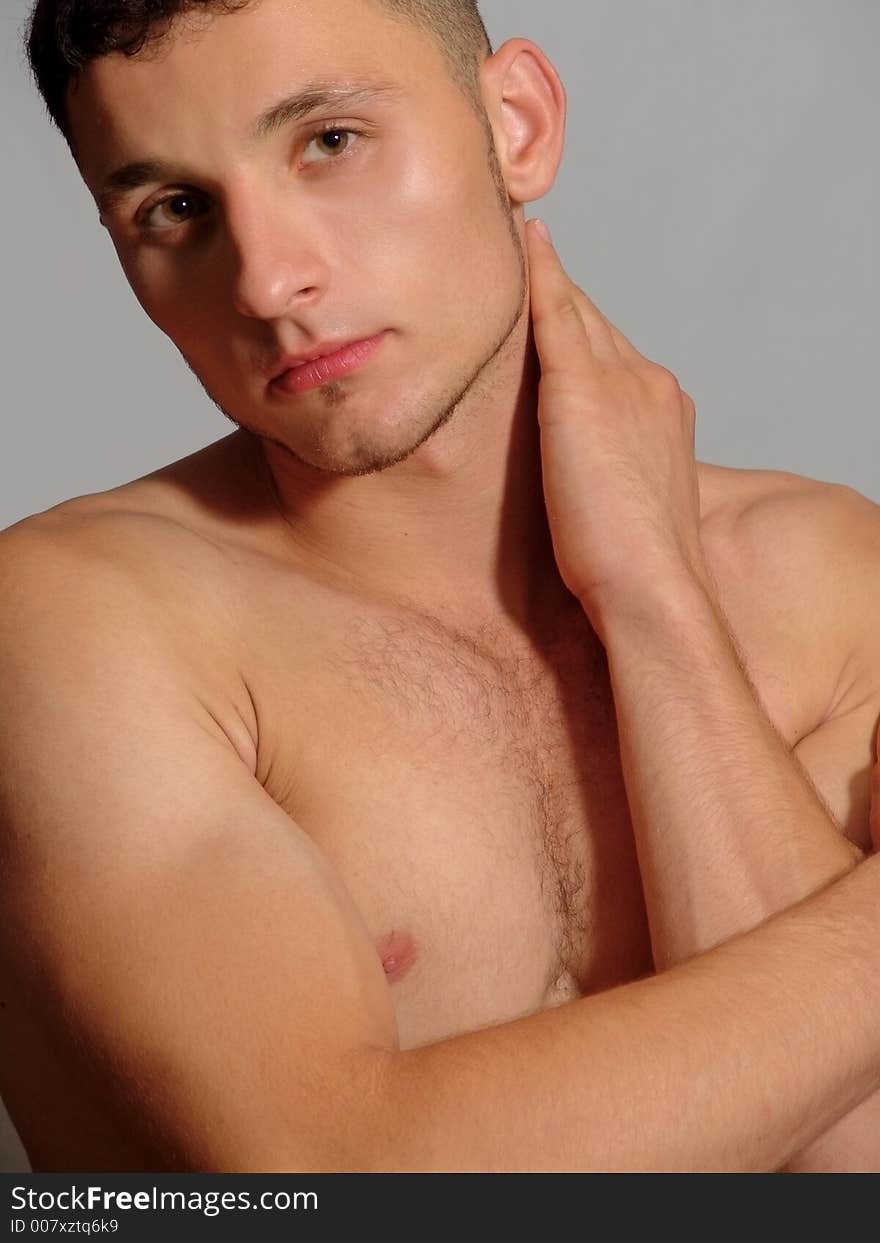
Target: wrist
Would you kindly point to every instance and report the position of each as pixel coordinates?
(659, 606)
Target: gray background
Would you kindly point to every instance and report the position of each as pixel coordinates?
(718, 200)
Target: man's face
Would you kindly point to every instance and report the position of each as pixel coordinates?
(266, 246)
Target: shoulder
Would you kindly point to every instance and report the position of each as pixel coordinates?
(211, 510)
(95, 591)
(759, 496)
(161, 531)
(797, 565)
(801, 534)
(86, 547)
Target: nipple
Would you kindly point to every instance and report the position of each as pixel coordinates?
(398, 953)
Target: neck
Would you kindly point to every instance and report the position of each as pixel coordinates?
(459, 529)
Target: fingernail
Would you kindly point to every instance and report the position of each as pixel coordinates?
(541, 228)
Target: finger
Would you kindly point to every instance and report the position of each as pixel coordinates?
(602, 329)
(624, 347)
(565, 321)
(691, 410)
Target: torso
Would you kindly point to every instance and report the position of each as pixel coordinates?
(467, 788)
(469, 792)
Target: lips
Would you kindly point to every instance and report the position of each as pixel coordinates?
(342, 360)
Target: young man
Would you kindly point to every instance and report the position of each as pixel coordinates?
(339, 756)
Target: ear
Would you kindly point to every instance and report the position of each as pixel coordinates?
(526, 104)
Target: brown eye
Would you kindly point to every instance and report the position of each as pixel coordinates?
(173, 210)
(330, 138)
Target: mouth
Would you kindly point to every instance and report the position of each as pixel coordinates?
(306, 375)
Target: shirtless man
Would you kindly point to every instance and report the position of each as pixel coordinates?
(353, 788)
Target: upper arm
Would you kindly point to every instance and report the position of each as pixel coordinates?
(840, 604)
(194, 958)
(799, 571)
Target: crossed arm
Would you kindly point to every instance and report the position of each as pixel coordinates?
(728, 829)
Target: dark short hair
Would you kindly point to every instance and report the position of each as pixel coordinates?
(62, 36)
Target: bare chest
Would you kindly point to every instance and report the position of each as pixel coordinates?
(470, 796)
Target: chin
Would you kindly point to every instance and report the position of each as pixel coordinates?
(365, 459)
(368, 443)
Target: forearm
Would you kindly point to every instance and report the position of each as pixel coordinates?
(661, 1074)
(728, 828)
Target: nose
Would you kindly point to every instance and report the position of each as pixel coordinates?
(274, 266)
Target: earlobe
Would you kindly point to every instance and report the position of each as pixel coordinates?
(527, 106)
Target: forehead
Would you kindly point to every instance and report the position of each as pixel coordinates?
(215, 74)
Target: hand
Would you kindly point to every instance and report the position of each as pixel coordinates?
(617, 450)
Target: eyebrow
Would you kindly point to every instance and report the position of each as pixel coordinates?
(313, 97)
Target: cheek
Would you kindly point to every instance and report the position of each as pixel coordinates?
(148, 288)
(427, 189)
(180, 310)
(444, 222)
